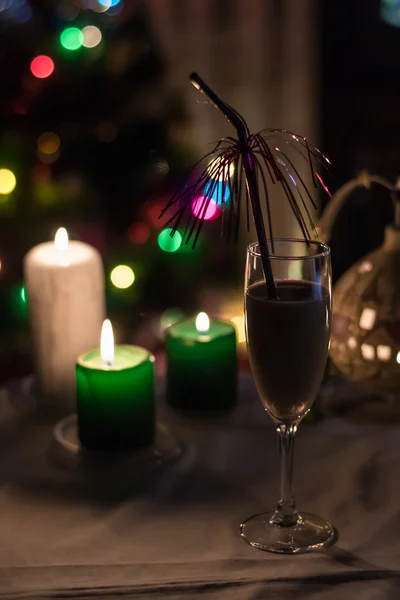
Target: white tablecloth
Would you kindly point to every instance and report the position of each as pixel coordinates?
(176, 535)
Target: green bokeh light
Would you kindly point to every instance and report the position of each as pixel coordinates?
(168, 243)
(71, 38)
(19, 302)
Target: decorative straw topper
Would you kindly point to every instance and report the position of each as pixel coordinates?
(244, 165)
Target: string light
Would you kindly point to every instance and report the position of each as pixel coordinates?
(122, 277)
(48, 143)
(8, 181)
(71, 38)
(91, 36)
(22, 294)
(168, 243)
(42, 66)
(211, 212)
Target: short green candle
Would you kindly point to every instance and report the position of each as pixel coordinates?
(201, 365)
(115, 401)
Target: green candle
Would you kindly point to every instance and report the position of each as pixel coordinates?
(115, 396)
(202, 364)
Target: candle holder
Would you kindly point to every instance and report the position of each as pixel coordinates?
(69, 453)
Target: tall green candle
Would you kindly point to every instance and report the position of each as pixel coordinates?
(201, 365)
(115, 396)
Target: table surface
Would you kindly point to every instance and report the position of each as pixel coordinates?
(175, 534)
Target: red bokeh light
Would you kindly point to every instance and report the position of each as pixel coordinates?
(139, 233)
(42, 66)
(152, 211)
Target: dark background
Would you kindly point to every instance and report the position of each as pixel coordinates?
(360, 117)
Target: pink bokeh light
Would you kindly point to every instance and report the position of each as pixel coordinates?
(212, 210)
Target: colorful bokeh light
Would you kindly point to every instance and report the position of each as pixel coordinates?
(215, 171)
(152, 212)
(139, 233)
(390, 12)
(122, 277)
(211, 212)
(71, 38)
(109, 3)
(101, 8)
(91, 36)
(42, 66)
(19, 301)
(20, 12)
(168, 243)
(48, 143)
(115, 10)
(8, 181)
(217, 191)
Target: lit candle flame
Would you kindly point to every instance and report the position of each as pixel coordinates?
(107, 343)
(61, 239)
(202, 322)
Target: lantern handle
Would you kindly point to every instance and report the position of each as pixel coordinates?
(323, 230)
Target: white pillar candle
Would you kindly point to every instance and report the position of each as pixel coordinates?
(65, 288)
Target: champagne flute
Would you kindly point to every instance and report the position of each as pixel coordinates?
(288, 341)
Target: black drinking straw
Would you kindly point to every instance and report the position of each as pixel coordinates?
(251, 177)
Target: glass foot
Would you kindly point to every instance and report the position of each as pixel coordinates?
(310, 533)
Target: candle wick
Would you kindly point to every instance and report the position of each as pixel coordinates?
(108, 363)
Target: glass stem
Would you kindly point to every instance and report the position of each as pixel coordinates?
(286, 514)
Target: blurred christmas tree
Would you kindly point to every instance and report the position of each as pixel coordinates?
(91, 138)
